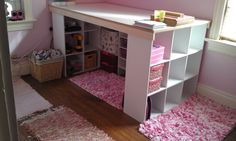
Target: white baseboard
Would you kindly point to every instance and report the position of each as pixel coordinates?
(217, 95)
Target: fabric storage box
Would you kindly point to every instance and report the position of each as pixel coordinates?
(155, 84)
(46, 70)
(109, 41)
(123, 53)
(90, 60)
(157, 54)
(109, 68)
(109, 58)
(156, 71)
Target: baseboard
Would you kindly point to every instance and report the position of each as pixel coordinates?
(217, 95)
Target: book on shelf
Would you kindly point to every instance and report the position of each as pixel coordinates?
(174, 21)
(149, 24)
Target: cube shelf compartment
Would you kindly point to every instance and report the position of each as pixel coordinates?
(193, 65)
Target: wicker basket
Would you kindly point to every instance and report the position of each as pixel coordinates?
(46, 70)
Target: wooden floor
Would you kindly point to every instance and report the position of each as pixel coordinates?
(114, 122)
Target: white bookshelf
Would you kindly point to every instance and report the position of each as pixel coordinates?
(182, 59)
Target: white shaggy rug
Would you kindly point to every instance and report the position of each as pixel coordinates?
(27, 100)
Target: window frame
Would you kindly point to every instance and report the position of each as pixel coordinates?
(25, 24)
(214, 42)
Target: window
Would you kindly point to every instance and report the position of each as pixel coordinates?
(26, 21)
(222, 32)
(228, 27)
(11, 6)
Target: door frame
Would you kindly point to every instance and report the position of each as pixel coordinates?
(8, 122)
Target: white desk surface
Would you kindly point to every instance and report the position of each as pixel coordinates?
(117, 15)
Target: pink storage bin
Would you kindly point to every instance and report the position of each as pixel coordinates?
(157, 49)
(155, 84)
(157, 58)
(157, 54)
(156, 71)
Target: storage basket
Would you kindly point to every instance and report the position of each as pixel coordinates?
(46, 70)
(90, 60)
(155, 84)
(156, 71)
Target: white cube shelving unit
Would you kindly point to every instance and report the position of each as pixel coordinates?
(183, 52)
(182, 59)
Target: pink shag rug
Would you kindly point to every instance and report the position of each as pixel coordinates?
(197, 118)
(63, 124)
(107, 86)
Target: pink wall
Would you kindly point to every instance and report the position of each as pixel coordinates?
(23, 42)
(199, 8)
(219, 71)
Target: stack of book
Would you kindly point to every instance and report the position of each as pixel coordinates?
(150, 24)
(175, 18)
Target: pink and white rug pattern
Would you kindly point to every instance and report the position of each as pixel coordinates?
(106, 86)
(197, 118)
(63, 124)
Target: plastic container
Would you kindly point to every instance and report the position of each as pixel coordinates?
(157, 54)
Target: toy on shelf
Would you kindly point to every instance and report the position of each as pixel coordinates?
(17, 15)
(72, 25)
(78, 38)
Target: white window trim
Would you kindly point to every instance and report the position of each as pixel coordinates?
(214, 43)
(25, 24)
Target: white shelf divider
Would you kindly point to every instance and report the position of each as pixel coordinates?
(157, 91)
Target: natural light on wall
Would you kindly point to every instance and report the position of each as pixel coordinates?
(229, 26)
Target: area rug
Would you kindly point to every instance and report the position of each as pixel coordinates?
(107, 86)
(27, 100)
(197, 118)
(62, 124)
